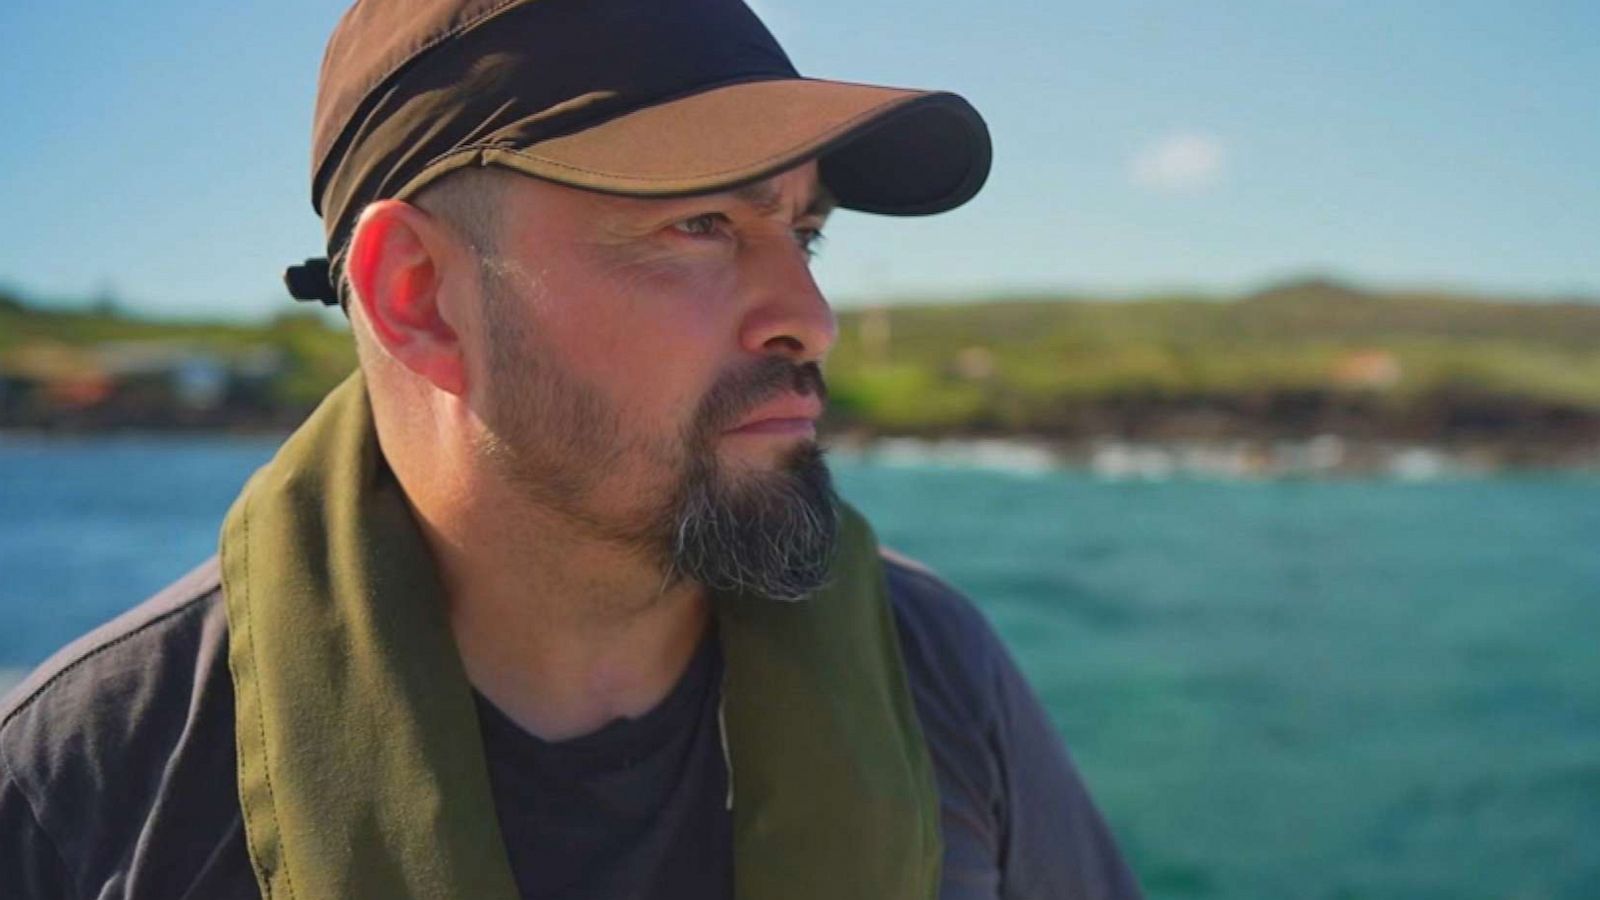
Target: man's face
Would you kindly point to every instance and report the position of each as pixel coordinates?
(648, 369)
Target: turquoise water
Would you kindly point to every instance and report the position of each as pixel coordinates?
(1277, 689)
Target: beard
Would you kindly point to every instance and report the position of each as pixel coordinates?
(768, 533)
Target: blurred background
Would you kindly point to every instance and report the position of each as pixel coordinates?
(1256, 400)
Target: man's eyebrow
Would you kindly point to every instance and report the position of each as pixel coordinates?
(764, 196)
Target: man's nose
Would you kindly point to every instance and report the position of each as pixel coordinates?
(787, 313)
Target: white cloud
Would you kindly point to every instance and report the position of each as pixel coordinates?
(1178, 163)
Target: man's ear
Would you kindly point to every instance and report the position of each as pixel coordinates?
(394, 266)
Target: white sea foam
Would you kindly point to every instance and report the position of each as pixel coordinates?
(1418, 464)
(1114, 459)
(992, 454)
(1242, 460)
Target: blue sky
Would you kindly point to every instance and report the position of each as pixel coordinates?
(158, 150)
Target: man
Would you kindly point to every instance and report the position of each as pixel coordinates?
(553, 598)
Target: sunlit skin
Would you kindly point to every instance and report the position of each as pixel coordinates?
(644, 301)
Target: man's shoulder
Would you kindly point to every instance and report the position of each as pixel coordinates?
(122, 690)
(921, 597)
(128, 646)
(951, 651)
(1018, 820)
(112, 753)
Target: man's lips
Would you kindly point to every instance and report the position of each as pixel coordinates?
(791, 415)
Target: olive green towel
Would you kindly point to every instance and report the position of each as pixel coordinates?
(361, 772)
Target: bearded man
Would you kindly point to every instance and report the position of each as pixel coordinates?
(554, 597)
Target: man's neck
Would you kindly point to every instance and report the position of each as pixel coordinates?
(562, 631)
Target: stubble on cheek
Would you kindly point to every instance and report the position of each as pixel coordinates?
(566, 448)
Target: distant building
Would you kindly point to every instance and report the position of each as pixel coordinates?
(189, 379)
(134, 384)
(1371, 369)
(975, 363)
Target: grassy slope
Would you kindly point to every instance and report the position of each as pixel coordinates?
(1050, 355)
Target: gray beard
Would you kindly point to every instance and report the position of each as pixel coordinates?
(773, 535)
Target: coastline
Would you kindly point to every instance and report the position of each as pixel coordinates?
(1105, 457)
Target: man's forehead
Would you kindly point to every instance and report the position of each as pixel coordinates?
(798, 191)
(767, 197)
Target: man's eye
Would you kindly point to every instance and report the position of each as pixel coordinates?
(810, 241)
(702, 225)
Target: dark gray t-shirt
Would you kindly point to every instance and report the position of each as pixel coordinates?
(641, 801)
(117, 772)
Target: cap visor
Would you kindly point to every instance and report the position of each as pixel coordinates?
(883, 150)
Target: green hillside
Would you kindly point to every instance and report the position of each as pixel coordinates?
(1332, 355)
(1037, 365)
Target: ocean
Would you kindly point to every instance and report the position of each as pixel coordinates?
(1332, 688)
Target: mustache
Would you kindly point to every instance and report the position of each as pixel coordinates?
(741, 390)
